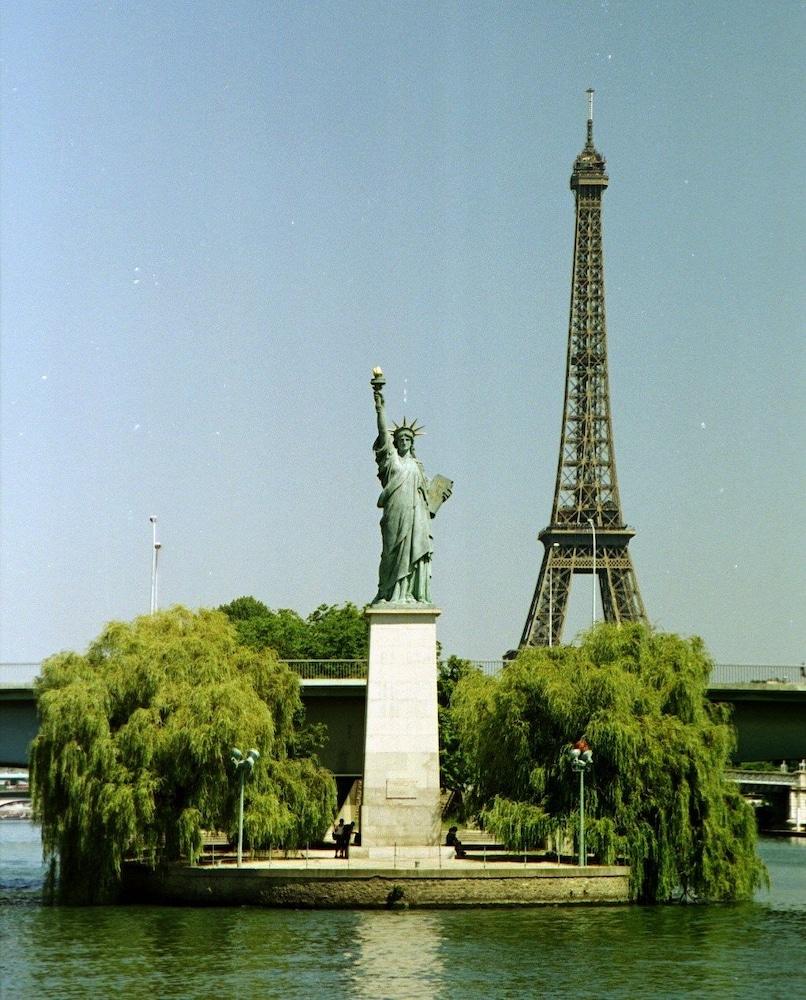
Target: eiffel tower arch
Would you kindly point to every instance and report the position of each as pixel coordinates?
(587, 533)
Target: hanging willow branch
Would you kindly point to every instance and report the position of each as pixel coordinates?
(131, 758)
(656, 796)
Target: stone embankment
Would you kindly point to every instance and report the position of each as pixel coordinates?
(319, 883)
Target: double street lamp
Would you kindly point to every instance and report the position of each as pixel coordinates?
(581, 757)
(243, 766)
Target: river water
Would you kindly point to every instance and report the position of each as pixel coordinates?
(753, 949)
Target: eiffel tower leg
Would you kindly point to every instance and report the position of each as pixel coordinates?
(609, 604)
(621, 599)
(544, 625)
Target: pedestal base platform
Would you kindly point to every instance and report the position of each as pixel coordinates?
(401, 802)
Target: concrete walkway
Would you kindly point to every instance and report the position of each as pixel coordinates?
(405, 859)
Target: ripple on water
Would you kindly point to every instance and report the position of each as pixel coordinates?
(741, 950)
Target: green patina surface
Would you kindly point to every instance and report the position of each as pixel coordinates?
(408, 501)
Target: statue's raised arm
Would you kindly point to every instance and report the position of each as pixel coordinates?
(408, 502)
(378, 382)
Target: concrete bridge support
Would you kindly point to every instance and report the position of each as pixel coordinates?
(797, 799)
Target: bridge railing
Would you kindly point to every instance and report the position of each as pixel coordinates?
(311, 670)
(19, 674)
(315, 670)
(723, 675)
(489, 667)
(778, 778)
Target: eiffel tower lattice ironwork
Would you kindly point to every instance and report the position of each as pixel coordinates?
(587, 533)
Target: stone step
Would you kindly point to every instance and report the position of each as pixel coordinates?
(470, 835)
(408, 853)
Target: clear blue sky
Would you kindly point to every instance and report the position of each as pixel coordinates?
(218, 217)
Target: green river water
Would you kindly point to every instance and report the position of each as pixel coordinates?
(753, 949)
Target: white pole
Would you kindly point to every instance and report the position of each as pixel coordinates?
(593, 589)
(157, 548)
(240, 816)
(153, 520)
(583, 854)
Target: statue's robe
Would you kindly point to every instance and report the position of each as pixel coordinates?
(404, 573)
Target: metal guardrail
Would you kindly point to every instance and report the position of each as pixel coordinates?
(315, 670)
(19, 674)
(784, 779)
(489, 667)
(24, 674)
(310, 670)
(723, 675)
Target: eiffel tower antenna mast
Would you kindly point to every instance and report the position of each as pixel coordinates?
(587, 533)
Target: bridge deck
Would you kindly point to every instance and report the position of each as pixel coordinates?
(769, 708)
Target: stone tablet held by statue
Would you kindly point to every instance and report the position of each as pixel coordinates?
(408, 501)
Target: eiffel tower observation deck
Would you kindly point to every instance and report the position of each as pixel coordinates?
(587, 533)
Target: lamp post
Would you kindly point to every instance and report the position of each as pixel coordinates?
(554, 548)
(593, 589)
(155, 548)
(243, 765)
(581, 758)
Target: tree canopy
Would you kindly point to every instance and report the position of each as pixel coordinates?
(454, 768)
(133, 750)
(656, 794)
(330, 632)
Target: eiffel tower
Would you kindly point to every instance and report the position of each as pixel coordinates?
(587, 533)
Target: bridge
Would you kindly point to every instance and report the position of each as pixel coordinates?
(782, 793)
(769, 709)
(768, 706)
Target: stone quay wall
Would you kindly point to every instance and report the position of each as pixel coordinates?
(379, 888)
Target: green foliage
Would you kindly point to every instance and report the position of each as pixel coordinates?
(656, 793)
(331, 632)
(454, 766)
(338, 633)
(133, 751)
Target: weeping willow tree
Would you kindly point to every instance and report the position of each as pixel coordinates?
(132, 757)
(656, 795)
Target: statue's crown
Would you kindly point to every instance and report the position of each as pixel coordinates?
(413, 428)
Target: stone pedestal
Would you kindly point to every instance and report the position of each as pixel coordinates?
(401, 803)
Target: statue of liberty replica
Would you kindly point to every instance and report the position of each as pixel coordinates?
(408, 501)
(400, 790)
